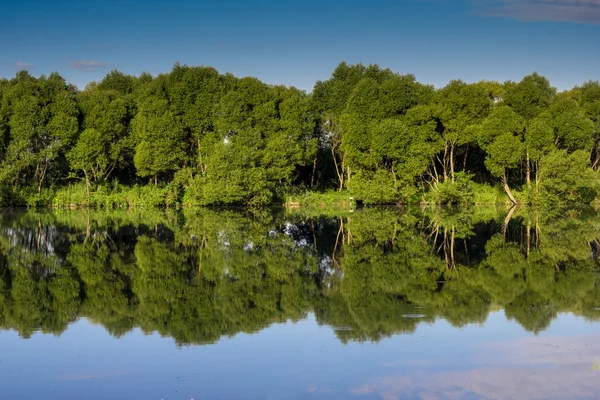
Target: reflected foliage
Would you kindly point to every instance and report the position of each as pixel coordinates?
(199, 275)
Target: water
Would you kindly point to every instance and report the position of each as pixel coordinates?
(228, 304)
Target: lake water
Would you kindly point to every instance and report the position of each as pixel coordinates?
(230, 304)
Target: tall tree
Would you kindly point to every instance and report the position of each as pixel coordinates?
(529, 98)
(459, 107)
(159, 135)
(105, 143)
(43, 124)
(501, 137)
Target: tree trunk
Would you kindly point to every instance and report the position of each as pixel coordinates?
(507, 220)
(527, 169)
(348, 175)
(337, 170)
(537, 177)
(452, 248)
(43, 175)
(155, 180)
(452, 162)
(445, 162)
(337, 240)
(446, 258)
(465, 160)
(87, 183)
(507, 188)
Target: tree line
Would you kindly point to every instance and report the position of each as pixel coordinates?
(195, 136)
(203, 274)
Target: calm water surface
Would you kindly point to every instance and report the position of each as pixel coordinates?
(371, 304)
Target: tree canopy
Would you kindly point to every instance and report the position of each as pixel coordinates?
(206, 138)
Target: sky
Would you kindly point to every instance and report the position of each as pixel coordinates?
(298, 42)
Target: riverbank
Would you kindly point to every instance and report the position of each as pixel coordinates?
(114, 195)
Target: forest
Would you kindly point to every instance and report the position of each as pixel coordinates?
(194, 136)
(200, 274)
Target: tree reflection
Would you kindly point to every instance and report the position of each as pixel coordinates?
(202, 274)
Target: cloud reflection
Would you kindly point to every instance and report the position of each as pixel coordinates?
(530, 368)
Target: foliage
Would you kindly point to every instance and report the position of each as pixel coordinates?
(459, 192)
(568, 178)
(205, 138)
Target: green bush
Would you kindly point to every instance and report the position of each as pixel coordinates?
(111, 195)
(567, 178)
(374, 188)
(458, 192)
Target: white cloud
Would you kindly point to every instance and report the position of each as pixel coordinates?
(87, 65)
(21, 65)
(577, 11)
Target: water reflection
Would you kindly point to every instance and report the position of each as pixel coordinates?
(199, 275)
(527, 368)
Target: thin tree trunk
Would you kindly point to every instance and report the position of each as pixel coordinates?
(43, 176)
(452, 248)
(527, 169)
(465, 160)
(111, 168)
(337, 240)
(537, 177)
(337, 169)
(437, 177)
(437, 231)
(507, 220)
(596, 157)
(87, 183)
(507, 188)
(348, 175)
(446, 247)
(88, 230)
(452, 162)
(445, 162)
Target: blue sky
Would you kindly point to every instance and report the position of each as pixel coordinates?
(297, 42)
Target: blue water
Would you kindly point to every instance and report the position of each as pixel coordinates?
(302, 360)
(227, 304)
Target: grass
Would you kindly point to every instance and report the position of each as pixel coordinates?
(320, 200)
(485, 194)
(114, 196)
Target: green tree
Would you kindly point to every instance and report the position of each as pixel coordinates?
(460, 106)
(567, 178)
(160, 138)
(104, 144)
(501, 136)
(43, 123)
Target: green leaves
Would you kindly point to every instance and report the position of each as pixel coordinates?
(217, 139)
(530, 97)
(567, 178)
(161, 140)
(571, 128)
(42, 119)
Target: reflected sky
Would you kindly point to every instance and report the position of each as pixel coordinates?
(498, 359)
